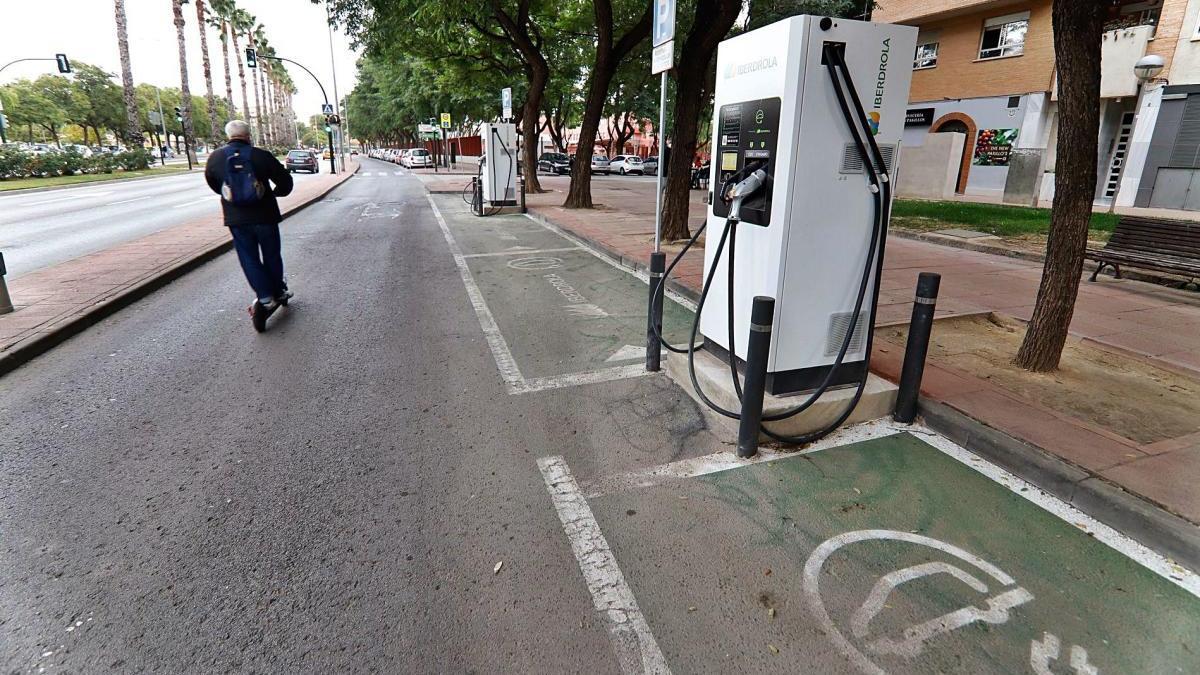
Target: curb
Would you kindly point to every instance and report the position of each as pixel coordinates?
(39, 343)
(1142, 520)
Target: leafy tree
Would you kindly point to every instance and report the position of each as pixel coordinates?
(765, 12)
(105, 108)
(610, 51)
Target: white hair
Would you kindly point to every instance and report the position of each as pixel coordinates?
(237, 129)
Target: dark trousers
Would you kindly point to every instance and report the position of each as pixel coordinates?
(258, 250)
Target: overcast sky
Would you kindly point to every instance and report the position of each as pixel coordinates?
(86, 30)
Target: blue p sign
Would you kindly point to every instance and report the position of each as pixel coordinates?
(664, 21)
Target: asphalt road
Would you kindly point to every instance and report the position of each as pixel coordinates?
(180, 494)
(38, 229)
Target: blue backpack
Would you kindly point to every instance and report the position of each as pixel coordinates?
(241, 186)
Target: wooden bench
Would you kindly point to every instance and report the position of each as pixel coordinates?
(1157, 244)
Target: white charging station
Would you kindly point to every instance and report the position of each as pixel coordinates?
(804, 237)
(500, 163)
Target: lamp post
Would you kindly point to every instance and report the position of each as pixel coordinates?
(1147, 69)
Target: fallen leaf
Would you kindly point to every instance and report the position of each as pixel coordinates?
(767, 573)
(773, 648)
(771, 612)
(496, 569)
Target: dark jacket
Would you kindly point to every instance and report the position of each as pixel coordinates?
(267, 169)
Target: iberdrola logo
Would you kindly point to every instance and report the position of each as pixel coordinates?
(873, 121)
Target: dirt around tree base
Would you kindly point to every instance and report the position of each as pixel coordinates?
(1122, 394)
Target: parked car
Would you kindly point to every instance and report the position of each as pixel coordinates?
(418, 158)
(600, 164)
(41, 149)
(302, 160)
(626, 164)
(650, 166)
(554, 162)
(81, 150)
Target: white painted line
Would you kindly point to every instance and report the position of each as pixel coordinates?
(723, 461)
(505, 362)
(193, 203)
(525, 252)
(586, 377)
(72, 196)
(637, 650)
(397, 173)
(126, 201)
(644, 277)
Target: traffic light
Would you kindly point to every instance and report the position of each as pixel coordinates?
(178, 114)
(64, 66)
(251, 58)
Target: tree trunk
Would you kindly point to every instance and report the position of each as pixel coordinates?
(214, 129)
(228, 70)
(257, 99)
(189, 134)
(712, 22)
(237, 54)
(133, 125)
(1078, 30)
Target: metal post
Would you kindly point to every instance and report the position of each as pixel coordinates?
(919, 329)
(762, 315)
(523, 209)
(162, 123)
(6, 305)
(337, 100)
(654, 312)
(662, 170)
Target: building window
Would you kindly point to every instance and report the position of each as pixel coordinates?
(1004, 36)
(926, 56)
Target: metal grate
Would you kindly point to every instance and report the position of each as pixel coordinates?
(852, 161)
(839, 323)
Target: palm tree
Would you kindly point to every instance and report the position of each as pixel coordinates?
(202, 22)
(186, 94)
(133, 125)
(237, 22)
(221, 11)
(251, 27)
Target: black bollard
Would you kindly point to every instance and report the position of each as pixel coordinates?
(523, 208)
(919, 329)
(654, 312)
(758, 347)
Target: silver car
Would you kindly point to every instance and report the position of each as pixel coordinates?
(600, 164)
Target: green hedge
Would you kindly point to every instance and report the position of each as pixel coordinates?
(17, 164)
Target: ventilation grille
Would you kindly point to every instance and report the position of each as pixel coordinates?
(839, 323)
(852, 161)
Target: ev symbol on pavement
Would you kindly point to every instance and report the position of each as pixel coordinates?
(864, 641)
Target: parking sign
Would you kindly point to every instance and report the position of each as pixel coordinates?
(506, 102)
(664, 21)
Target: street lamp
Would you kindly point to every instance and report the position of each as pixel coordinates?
(1148, 67)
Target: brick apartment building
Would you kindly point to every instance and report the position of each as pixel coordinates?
(985, 68)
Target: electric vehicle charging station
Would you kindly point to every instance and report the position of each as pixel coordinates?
(807, 123)
(499, 168)
(775, 105)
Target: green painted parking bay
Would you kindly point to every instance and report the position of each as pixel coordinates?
(890, 555)
(555, 314)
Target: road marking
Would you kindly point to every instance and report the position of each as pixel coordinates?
(580, 243)
(526, 251)
(126, 201)
(64, 197)
(514, 381)
(627, 353)
(193, 203)
(505, 363)
(915, 636)
(397, 173)
(637, 650)
(723, 461)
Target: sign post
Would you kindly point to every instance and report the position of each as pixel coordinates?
(506, 103)
(445, 157)
(661, 62)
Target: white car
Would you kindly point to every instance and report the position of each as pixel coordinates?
(626, 164)
(417, 158)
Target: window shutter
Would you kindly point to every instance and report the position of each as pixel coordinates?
(1186, 152)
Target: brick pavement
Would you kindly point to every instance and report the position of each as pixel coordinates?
(54, 302)
(1141, 320)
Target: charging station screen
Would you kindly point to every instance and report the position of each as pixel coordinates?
(747, 133)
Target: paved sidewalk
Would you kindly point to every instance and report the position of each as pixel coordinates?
(1142, 320)
(55, 302)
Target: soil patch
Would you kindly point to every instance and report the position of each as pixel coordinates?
(1122, 394)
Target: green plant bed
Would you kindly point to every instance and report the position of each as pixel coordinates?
(997, 219)
(51, 181)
